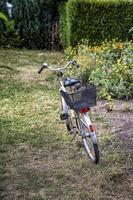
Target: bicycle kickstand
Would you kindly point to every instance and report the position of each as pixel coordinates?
(73, 138)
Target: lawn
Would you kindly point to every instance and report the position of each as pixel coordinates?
(37, 161)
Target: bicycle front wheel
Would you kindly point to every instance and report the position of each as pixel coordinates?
(71, 122)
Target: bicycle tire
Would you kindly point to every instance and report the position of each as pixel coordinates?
(70, 122)
(94, 157)
(89, 141)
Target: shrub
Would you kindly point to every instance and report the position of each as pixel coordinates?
(95, 20)
(8, 35)
(63, 24)
(37, 23)
(3, 8)
(109, 66)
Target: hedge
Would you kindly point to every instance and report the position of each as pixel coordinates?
(95, 21)
(63, 29)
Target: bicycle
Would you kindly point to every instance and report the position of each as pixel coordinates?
(76, 99)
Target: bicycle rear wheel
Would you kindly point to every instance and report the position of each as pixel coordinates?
(91, 149)
(89, 138)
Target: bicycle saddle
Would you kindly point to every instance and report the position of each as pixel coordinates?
(70, 82)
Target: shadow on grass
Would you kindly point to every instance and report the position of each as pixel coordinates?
(16, 131)
(6, 67)
(10, 88)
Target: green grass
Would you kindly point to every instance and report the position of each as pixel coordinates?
(36, 160)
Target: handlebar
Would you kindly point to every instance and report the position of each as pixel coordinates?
(58, 69)
(45, 65)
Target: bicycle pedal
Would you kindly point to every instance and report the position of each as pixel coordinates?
(64, 116)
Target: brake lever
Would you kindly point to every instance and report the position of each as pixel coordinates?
(75, 63)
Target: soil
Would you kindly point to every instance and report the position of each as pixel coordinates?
(120, 120)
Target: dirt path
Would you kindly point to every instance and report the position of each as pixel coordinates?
(120, 120)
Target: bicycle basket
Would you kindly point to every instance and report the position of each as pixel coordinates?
(85, 97)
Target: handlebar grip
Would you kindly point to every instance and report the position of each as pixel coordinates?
(75, 64)
(40, 70)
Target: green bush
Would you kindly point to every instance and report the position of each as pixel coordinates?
(26, 16)
(37, 22)
(3, 8)
(109, 66)
(63, 23)
(96, 20)
(8, 35)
